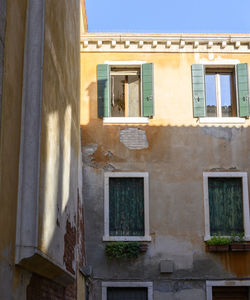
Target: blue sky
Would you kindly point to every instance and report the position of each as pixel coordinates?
(213, 16)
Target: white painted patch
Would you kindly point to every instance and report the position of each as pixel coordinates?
(134, 138)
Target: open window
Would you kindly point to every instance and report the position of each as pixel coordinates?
(125, 91)
(226, 204)
(220, 92)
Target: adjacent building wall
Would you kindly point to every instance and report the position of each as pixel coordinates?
(178, 150)
(51, 267)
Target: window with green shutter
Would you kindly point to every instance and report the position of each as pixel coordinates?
(225, 206)
(125, 91)
(126, 206)
(221, 91)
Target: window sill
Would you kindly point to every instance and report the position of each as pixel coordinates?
(127, 238)
(126, 120)
(232, 120)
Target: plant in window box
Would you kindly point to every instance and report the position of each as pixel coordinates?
(218, 244)
(124, 249)
(238, 243)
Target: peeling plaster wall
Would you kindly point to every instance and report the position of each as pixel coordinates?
(60, 133)
(176, 150)
(59, 218)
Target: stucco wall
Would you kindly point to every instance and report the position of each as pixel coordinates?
(60, 203)
(60, 127)
(10, 141)
(179, 151)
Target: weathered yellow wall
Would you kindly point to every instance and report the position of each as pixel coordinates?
(60, 126)
(10, 137)
(179, 151)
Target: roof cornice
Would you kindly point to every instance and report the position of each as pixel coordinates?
(161, 42)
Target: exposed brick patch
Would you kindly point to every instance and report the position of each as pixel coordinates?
(80, 233)
(41, 288)
(69, 247)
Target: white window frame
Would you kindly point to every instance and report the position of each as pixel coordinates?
(210, 284)
(246, 217)
(143, 175)
(219, 119)
(127, 120)
(148, 285)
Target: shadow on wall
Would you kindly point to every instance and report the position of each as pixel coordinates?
(172, 155)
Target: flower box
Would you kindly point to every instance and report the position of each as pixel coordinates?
(240, 247)
(218, 248)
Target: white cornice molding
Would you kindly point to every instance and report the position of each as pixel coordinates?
(239, 43)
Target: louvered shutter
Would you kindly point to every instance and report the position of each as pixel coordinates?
(148, 89)
(225, 206)
(243, 90)
(198, 85)
(103, 90)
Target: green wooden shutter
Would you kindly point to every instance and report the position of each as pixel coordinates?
(243, 90)
(127, 293)
(148, 89)
(126, 206)
(103, 90)
(198, 84)
(225, 206)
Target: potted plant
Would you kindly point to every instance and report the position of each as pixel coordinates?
(238, 243)
(218, 244)
(124, 249)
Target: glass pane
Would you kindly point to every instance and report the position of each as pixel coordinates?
(134, 94)
(117, 96)
(211, 95)
(226, 95)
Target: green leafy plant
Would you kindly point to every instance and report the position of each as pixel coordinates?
(219, 240)
(237, 237)
(123, 249)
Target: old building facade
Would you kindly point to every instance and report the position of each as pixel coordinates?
(165, 149)
(41, 216)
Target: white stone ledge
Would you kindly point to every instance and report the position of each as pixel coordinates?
(125, 120)
(232, 120)
(127, 238)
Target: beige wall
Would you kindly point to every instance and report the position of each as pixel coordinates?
(10, 137)
(59, 144)
(179, 151)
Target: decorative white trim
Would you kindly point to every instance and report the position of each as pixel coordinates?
(242, 175)
(211, 284)
(128, 284)
(222, 120)
(126, 120)
(160, 42)
(124, 63)
(143, 175)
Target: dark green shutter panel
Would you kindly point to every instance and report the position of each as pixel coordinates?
(198, 84)
(127, 293)
(148, 89)
(103, 90)
(126, 206)
(225, 206)
(243, 89)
